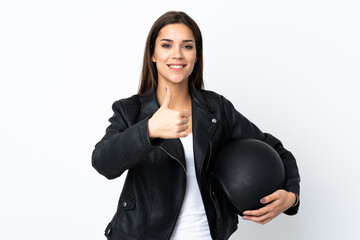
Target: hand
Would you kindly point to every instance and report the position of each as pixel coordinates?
(168, 123)
(277, 202)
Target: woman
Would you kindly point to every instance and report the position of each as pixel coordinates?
(167, 136)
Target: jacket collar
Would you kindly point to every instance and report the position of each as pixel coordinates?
(203, 123)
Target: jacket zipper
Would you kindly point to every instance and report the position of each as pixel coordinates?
(182, 198)
(174, 158)
(210, 192)
(207, 166)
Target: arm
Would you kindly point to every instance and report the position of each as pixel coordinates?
(292, 183)
(123, 146)
(240, 127)
(127, 142)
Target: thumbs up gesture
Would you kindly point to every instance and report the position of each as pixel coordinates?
(168, 123)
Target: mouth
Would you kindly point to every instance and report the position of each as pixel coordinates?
(176, 66)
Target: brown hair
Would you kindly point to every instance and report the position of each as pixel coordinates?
(149, 75)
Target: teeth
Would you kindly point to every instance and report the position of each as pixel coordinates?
(176, 66)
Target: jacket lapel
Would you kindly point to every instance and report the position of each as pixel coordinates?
(204, 124)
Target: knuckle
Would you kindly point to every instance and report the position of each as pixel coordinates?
(179, 129)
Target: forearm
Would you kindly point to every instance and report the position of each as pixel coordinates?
(122, 150)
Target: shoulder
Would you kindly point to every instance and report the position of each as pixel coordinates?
(133, 100)
(213, 98)
(127, 103)
(210, 94)
(129, 108)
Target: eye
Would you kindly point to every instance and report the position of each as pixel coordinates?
(189, 47)
(165, 45)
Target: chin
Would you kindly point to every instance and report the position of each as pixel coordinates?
(177, 79)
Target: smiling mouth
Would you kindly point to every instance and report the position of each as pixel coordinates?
(177, 66)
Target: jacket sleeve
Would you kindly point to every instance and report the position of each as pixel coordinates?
(123, 145)
(241, 127)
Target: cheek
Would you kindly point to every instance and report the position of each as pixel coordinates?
(192, 59)
(160, 56)
(192, 68)
(163, 58)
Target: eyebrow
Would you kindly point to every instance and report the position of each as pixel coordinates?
(169, 40)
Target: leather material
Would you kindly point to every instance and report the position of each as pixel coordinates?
(155, 184)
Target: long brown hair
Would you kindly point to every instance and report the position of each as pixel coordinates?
(149, 75)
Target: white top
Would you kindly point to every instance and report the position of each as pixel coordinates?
(192, 222)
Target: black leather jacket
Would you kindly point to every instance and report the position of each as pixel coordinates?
(155, 184)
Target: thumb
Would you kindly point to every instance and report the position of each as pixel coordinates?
(167, 100)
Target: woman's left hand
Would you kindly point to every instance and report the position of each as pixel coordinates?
(277, 202)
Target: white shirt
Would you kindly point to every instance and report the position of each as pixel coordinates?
(192, 222)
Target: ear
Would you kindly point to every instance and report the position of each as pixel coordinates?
(153, 59)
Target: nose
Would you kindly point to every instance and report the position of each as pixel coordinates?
(178, 54)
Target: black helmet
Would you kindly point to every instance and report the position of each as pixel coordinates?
(247, 171)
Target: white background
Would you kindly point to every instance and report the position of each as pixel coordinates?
(291, 67)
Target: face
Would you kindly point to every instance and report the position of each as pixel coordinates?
(174, 53)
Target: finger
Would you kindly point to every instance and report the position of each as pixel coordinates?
(185, 113)
(268, 217)
(267, 220)
(184, 121)
(269, 198)
(183, 128)
(183, 134)
(167, 100)
(261, 219)
(258, 212)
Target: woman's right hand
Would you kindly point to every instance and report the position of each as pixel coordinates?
(168, 123)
